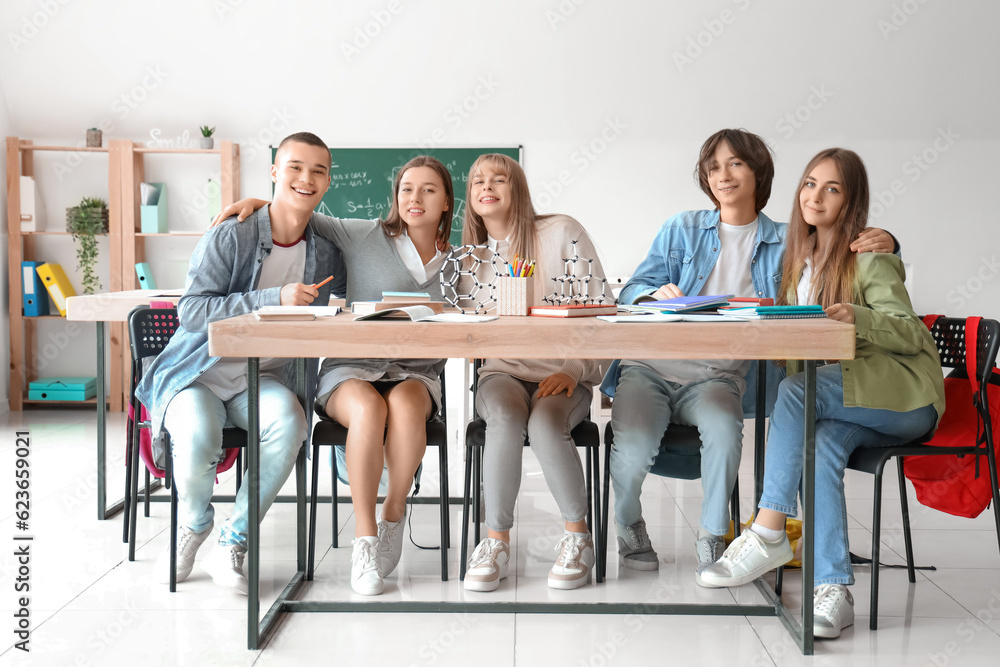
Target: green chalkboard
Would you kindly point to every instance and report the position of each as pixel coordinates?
(361, 179)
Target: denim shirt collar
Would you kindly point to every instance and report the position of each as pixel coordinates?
(767, 232)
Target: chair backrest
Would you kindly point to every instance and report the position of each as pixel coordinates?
(150, 329)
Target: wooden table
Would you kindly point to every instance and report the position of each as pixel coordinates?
(525, 338)
(102, 308)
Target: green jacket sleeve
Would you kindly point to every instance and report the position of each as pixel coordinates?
(885, 317)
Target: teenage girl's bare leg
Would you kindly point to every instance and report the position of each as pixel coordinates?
(409, 407)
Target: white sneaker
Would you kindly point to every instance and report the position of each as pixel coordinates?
(748, 557)
(487, 566)
(188, 543)
(225, 564)
(390, 544)
(833, 610)
(365, 579)
(574, 563)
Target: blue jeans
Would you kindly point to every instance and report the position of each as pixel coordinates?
(644, 407)
(195, 419)
(839, 431)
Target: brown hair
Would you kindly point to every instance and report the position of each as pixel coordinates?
(521, 217)
(748, 147)
(306, 138)
(835, 277)
(393, 224)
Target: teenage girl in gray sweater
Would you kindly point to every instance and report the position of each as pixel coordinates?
(542, 399)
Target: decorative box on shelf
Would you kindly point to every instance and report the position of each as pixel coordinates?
(62, 389)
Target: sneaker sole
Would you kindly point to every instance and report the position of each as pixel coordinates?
(641, 565)
(368, 591)
(570, 584)
(730, 582)
(829, 633)
(481, 586)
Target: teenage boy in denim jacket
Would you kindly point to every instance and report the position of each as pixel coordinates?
(274, 259)
(733, 249)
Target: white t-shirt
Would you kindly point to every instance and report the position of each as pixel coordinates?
(411, 259)
(730, 275)
(228, 377)
(805, 291)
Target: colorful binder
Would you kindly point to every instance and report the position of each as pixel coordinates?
(34, 298)
(145, 275)
(57, 284)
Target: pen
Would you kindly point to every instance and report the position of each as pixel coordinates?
(318, 285)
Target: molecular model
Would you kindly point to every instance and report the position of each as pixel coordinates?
(461, 267)
(573, 289)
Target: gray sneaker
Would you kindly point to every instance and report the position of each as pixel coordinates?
(708, 549)
(635, 551)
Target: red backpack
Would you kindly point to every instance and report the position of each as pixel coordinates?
(952, 484)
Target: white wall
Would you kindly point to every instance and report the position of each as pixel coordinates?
(613, 99)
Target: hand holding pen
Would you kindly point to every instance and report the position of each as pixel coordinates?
(299, 294)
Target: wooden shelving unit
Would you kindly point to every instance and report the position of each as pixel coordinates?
(126, 171)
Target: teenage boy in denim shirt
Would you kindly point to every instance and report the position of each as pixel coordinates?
(274, 259)
(733, 249)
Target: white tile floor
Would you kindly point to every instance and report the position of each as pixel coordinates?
(90, 606)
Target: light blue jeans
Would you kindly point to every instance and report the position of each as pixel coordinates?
(644, 407)
(839, 431)
(195, 419)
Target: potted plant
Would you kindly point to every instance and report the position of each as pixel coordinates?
(85, 222)
(94, 138)
(206, 136)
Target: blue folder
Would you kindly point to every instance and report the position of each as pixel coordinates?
(34, 296)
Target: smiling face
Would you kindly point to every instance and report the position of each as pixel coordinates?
(730, 178)
(421, 198)
(490, 193)
(301, 175)
(821, 197)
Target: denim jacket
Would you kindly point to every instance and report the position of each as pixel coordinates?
(684, 253)
(221, 281)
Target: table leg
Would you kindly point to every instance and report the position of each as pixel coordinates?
(102, 497)
(808, 507)
(253, 502)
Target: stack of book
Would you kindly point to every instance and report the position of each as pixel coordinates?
(774, 312)
(682, 304)
(574, 310)
(397, 300)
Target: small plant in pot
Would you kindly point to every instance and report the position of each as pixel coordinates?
(85, 222)
(206, 136)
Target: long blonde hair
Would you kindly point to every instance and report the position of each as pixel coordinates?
(521, 217)
(835, 278)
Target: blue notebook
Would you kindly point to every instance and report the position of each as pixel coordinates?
(681, 304)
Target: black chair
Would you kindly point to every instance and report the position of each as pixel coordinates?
(949, 335)
(679, 457)
(585, 434)
(329, 433)
(150, 329)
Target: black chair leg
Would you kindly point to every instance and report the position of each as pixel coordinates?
(605, 516)
(311, 556)
(735, 501)
(443, 484)
(133, 506)
(905, 507)
(876, 538)
(779, 576)
(466, 502)
(145, 497)
(173, 531)
(595, 481)
(239, 469)
(992, 462)
(333, 498)
(477, 491)
(126, 518)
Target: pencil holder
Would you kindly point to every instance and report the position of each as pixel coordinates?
(514, 296)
